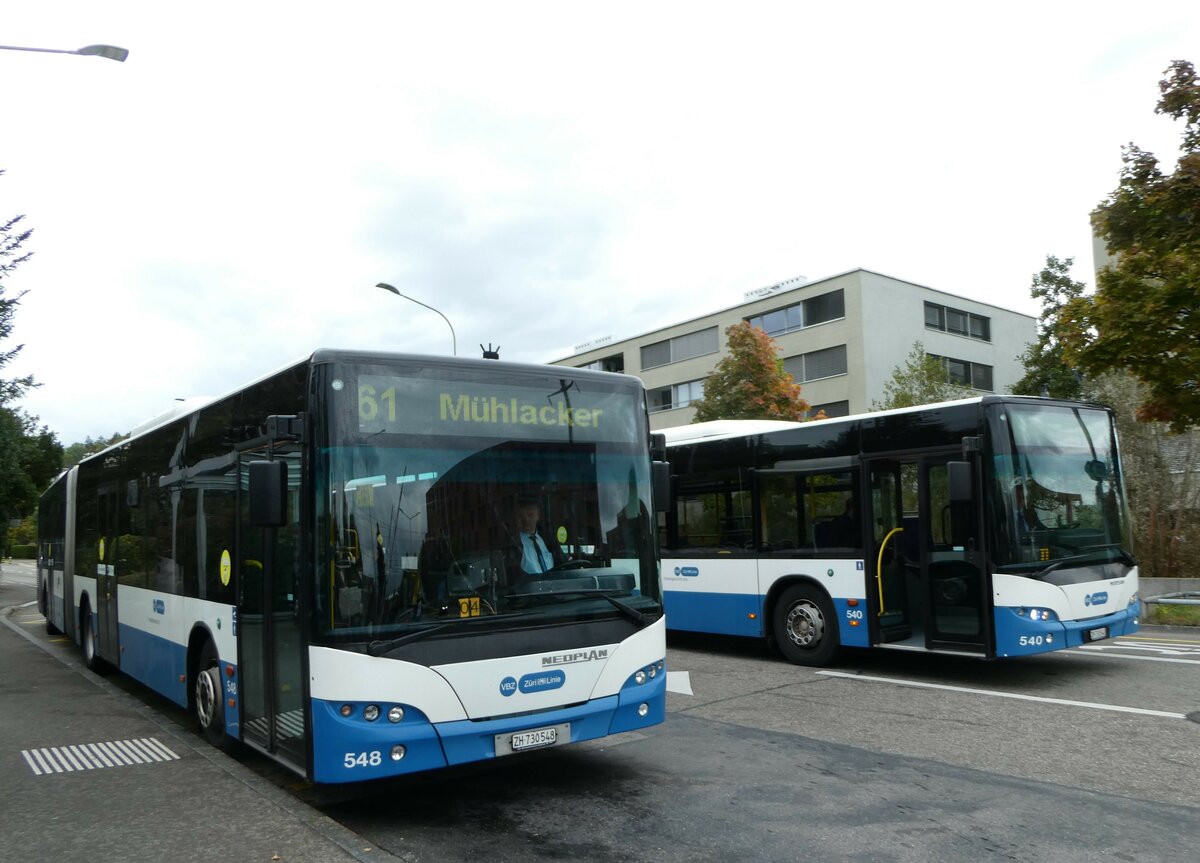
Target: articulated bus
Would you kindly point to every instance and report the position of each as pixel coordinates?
(992, 527)
(324, 565)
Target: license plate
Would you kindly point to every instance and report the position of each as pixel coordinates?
(1097, 634)
(535, 738)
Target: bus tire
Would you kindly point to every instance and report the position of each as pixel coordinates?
(50, 627)
(805, 627)
(209, 699)
(87, 639)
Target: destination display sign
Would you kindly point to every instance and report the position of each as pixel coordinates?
(560, 410)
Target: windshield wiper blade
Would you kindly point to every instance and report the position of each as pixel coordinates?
(378, 648)
(639, 617)
(1122, 555)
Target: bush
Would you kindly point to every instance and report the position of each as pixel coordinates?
(23, 552)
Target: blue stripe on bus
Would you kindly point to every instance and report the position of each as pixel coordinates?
(1017, 635)
(718, 613)
(352, 749)
(155, 661)
(159, 663)
(729, 614)
(852, 626)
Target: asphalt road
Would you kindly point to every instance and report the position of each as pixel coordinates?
(1079, 755)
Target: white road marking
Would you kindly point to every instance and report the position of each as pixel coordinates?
(679, 681)
(1116, 708)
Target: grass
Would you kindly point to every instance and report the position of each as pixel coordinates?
(1171, 615)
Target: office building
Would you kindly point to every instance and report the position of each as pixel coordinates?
(840, 337)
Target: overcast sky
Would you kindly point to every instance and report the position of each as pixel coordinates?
(545, 174)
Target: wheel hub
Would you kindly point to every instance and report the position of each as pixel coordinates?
(206, 697)
(805, 625)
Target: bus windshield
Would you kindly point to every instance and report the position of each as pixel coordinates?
(430, 491)
(1060, 492)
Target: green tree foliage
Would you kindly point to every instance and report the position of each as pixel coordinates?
(12, 235)
(1142, 316)
(29, 456)
(1046, 370)
(76, 452)
(920, 380)
(750, 382)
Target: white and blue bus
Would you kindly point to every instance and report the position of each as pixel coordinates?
(992, 527)
(324, 564)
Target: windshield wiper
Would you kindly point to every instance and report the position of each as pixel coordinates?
(1122, 555)
(378, 648)
(641, 618)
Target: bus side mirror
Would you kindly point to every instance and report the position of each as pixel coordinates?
(960, 481)
(962, 494)
(660, 474)
(268, 493)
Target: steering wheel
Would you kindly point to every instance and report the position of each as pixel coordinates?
(567, 565)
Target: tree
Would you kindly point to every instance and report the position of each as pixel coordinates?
(76, 452)
(1161, 477)
(750, 382)
(11, 238)
(1046, 370)
(920, 380)
(1142, 315)
(29, 456)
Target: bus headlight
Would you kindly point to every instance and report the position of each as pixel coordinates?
(640, 677)
(398, 752)
(371, 712)
(395, 714)
(347, 710)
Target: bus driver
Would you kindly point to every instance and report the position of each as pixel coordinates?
(536, 557)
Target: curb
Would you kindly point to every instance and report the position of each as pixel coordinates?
(306, 816)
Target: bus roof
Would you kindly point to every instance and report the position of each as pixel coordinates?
(724, 429)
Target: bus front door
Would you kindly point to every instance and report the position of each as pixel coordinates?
(271, 673)
(927, 592)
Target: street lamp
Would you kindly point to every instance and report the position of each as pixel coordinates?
(111, 52)
(453, 338)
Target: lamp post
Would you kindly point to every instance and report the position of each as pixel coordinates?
(453, 338)
(110, 52)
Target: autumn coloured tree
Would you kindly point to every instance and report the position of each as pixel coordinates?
(750, 382)
(1142, 316)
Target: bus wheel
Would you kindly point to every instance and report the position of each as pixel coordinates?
(210, 698)
(50, 627)
(804, 626)
(87, 637)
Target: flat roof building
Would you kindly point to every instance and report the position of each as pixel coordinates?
(840, 337)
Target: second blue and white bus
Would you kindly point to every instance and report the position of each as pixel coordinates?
(324, 565)
(992, 527)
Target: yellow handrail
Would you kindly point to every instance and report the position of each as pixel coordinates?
(879, 566)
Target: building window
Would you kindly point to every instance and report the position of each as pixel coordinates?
(675, 396)
(976, 376)
(830, 409)
(817, 364)
(681, 348)
(807, 313)
(615, 363)
(958, 322)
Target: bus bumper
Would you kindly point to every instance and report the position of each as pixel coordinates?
(352, 749)
(1019, 635)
